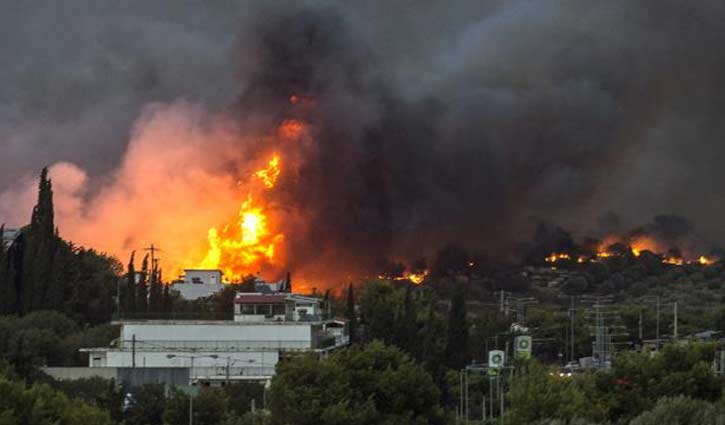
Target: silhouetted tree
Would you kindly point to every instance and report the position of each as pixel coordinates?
(155, 303)
(456, 348)
(350, 314)
(130, 304)
(142, 287)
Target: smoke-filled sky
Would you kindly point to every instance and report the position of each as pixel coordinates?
(433, 121)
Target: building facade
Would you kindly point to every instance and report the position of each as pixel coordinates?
(267, 327)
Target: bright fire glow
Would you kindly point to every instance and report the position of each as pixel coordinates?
(243, 246)
(554, 257)
(269, 175)
(704, 260)
(415, 278)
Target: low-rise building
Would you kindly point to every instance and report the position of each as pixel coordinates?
(267, 327)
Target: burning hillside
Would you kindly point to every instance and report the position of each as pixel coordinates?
(668, 237)
(328, 137)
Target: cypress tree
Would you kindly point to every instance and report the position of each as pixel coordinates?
(457, 343)
(155, 290)
(351, 315)
(166, 303)
(14, 257)
(39, 250)
(142, 288)
(130, 304)
(4, 280)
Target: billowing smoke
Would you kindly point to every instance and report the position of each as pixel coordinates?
(465, 122)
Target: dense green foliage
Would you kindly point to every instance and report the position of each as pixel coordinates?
(40, 404)
(376, 384)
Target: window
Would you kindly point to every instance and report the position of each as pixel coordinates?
(247, 308)
(264, 309)
(278, 309)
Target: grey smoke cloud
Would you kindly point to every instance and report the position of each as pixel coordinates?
(436, 121)
(76, 74)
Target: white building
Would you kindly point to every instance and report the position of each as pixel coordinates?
(202, 283)
(266, 328)
(199, 283)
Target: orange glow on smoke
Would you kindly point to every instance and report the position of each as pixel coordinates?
(291, 129)
(640, 244)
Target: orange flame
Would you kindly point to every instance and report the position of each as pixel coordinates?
(554, 257)
(243, 246)
(269, 175)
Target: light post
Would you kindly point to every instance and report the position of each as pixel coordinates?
(191, 379)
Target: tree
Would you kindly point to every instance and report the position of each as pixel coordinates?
(211, 406)
(7, 290)
(167, 302)
(379, 304)
(155, 290)
(538, 394)
(375, 384)
(142, 288)
(40, 404)
(147, 405)
(350, 314)
(681, 410)
(130, 305)
(457, 342)
(39, 250)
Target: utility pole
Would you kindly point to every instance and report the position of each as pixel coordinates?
(640, 325)
(153, 251)
(500, 396)
(191, 389)
(483, 409)
(674, 325)
(657, 343)
(572, 315)
(133, 351)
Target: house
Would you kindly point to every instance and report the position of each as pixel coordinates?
(266, 329)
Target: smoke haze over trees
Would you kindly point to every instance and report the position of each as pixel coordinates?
(465, 123)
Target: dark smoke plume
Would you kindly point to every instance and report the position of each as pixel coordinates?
(434, 122)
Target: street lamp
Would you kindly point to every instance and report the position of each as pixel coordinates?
(191, 379)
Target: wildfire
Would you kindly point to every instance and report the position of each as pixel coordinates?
(637, 248)
(241, 247)
(415, 278)
(554, 257)
(269, 175)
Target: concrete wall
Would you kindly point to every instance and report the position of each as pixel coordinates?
(276, 334)
(192, 291)
(71, 373)
(147, 359)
